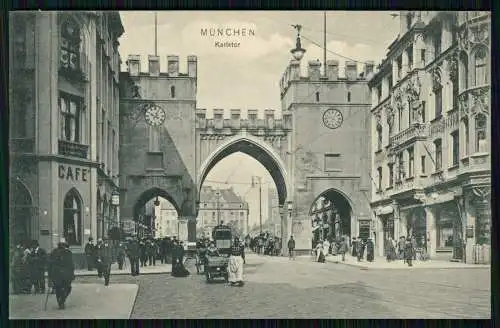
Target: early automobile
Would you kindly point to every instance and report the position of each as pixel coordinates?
(216, 266)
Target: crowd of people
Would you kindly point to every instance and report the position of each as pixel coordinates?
(265, 244)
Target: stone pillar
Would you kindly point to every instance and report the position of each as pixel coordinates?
(380, 235)
(405, 62)
(431, 229)
(284, 236)
(191, 229)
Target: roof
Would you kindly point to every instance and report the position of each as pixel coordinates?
(209, 194)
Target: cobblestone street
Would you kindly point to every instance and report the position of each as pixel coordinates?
(278, 287)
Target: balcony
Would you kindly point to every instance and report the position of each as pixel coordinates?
(68, 148)
(416, 131)
(80, 73)
(405, 185)
(22, 145)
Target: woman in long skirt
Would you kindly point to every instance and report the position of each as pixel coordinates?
(178, 269)
(235, 267)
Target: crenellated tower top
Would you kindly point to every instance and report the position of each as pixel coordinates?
(154, 69)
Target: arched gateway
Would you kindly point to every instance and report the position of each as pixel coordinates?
(168, 146)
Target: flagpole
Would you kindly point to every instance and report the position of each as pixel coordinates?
(324, 43)
(156, 33)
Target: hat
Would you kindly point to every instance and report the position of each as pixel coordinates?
(62, 240)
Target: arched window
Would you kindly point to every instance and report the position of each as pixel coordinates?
(480, 70)
(72, 220)
(172, 92)
(480, 133)
(70, 45)
(20, 213)
(464, 71)
(379, 137)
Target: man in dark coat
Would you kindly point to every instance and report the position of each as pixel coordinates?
(354, 244)
(97, 263)
(16, 264)
(163, 250)
(38, 264)
(105, 258)
(61, 271)
(133, 253)
(120, 256)
(401, 248)
(143, 256)
(151, 252)
(408, 251)
(370, 249)
(90, 254)
(291, 248)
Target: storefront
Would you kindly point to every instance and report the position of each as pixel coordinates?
(386, 230)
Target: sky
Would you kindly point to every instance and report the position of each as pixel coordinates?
(248, 76)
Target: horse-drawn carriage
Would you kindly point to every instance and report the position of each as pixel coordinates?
(216, 266)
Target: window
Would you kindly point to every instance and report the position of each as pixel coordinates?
(422, 164)
(455, 93)
(348, 96)
(464, 70)
(391, 174)
(480, 133)
(399, 62)
(379, 137)
(455, 147)
(411, 161)
(379, 92)
(379, 186)
(317, 96)
(70, 46)
(409, 52)
(400, 119)
(423, 111)
(438, 152)
(408, 20)
(438, 102)
(437, 42)
(389, 81)
(172, 92)
(401, 167)
(466, 137)
(72, 220)
(422, 56)
(70, 110)
(481, 75)
(242, 214)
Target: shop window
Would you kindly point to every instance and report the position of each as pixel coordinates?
(72, 220)
(70, 116)
(480, 133)
(70, 46)
(445, 234)
(455, 147)
(480, 72)
(411, 161)
(438, 154)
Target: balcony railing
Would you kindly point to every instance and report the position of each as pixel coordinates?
(417, 130)
(22, 145)
(68, 148)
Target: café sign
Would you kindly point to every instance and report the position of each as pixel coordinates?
(67, 172)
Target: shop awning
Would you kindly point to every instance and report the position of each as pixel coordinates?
(385, 210)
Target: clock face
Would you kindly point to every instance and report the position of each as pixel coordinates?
(155, 115)
(332, 119)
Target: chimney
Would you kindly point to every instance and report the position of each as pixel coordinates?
(369, 69)
(134, 65)
(351, 70)
(154, 65)
(294, 70)
(173, 65)
(332, 69)
(192, 66)
(314, 70)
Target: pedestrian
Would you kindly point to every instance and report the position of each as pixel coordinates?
(16, 265)
(320, 255)
(90, 254)
(163, 250)
(261, 245)
(354, 250)
(151, 252)
(178, 269)
(133, 253)
(144, 257)
(242, 251)
(277, 246)
(120, 256)
(326, 247)
(401, 248)
(414, 245)
(61, 271)
(235, 266)
(370, 249)
(291, 248)
(97, 263)
(361, 249)
(388, 249)
(343, 248)
(105, 258)
(409, 252)
(38, 264)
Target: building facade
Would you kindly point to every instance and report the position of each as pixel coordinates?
(273, 210)
(221, 205)
(430, 128)
(166, 220)
(63, 74)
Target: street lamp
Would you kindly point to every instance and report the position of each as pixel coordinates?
(298, 52)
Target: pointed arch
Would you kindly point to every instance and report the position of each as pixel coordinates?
(20, 212)
(257, 149)
(480, 71)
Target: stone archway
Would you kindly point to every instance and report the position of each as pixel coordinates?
(20, 213)
(331, 216)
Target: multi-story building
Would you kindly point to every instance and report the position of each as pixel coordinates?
(430, 145)
(166, 220)
(273, 212)
(63, 75)
(222, 205)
